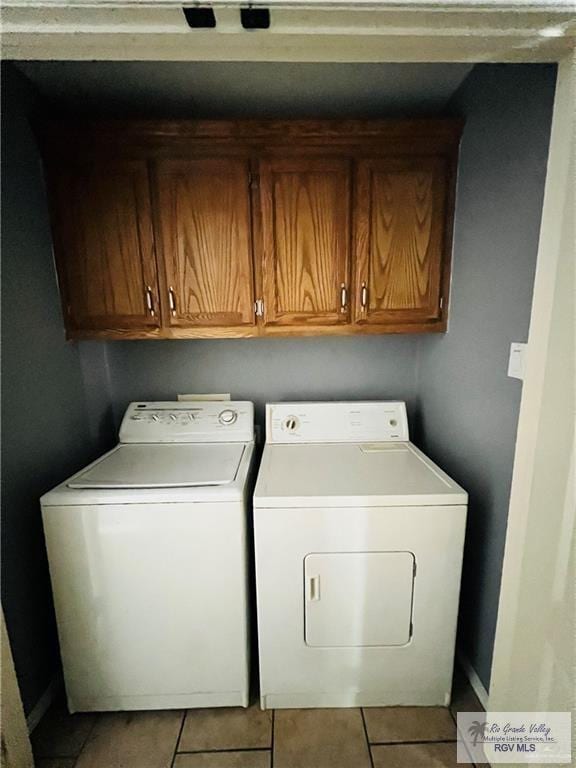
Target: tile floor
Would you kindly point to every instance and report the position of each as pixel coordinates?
(391, 737)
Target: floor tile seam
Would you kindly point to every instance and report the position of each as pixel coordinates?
(75, 757)
(227, 750)
(408, 743)
(366, 737)
(272, 738)
(180, 730)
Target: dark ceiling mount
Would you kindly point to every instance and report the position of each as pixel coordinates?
(255, 18)
(200, 18)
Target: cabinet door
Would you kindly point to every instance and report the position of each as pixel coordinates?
(306, 240)
(104, 245)
(400, 239)
(205, 229)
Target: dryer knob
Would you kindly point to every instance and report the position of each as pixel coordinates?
(291, 424)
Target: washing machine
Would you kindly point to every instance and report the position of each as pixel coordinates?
(358, 543)
(147, 550)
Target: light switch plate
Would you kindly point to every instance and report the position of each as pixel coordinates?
(516, 361)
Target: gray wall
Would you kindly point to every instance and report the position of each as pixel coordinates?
(469, 407)
(48, 429)
(265, 369)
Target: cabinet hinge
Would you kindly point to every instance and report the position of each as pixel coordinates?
(411, 629)
(441, 302)
(252, 180)
(259, 308)
(414, 569)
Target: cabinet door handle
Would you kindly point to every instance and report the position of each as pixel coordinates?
(343, 298)
(149, 300)
(172, 301)
(364, 297)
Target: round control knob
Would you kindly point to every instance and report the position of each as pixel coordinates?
(291, 423)
(227, 417)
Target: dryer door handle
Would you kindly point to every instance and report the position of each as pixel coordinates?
(314, 591)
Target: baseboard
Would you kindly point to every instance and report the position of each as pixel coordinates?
(41, 707)
(473, 679)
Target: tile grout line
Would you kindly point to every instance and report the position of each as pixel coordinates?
(408, 743)
(454, 718)
(76, 758)
(272, 739)
(222, 751)
(366, 737)
(184, 714)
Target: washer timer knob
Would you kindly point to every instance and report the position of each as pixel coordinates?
(227, 416)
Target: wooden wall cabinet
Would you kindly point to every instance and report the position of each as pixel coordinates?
(187, 229)
(305, 208)
(104, 246)
(205, 242)
(400, 239)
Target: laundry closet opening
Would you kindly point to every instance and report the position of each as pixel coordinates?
(462, 405)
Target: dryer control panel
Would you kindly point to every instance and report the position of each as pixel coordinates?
(188, 422)
(337, 422)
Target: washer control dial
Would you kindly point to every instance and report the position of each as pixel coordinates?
(228, 416)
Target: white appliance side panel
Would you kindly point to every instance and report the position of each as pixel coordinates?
(150, 601)
(417, 673)
(358, 598)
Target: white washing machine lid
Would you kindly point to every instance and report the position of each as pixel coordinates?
(168, 473)
(162, 466)
(352, 474)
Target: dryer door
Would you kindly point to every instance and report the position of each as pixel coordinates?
(358, 598)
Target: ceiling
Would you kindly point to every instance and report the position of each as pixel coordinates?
(244, 89)
(300, 30)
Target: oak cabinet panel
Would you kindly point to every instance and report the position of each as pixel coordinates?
(192, 229)
(204, 217)
(305, 205)
(104, 245)
(400, 239)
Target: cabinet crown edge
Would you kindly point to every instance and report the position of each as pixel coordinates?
(62, 133)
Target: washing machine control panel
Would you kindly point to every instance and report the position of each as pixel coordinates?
(188, 422)
(336, 422)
